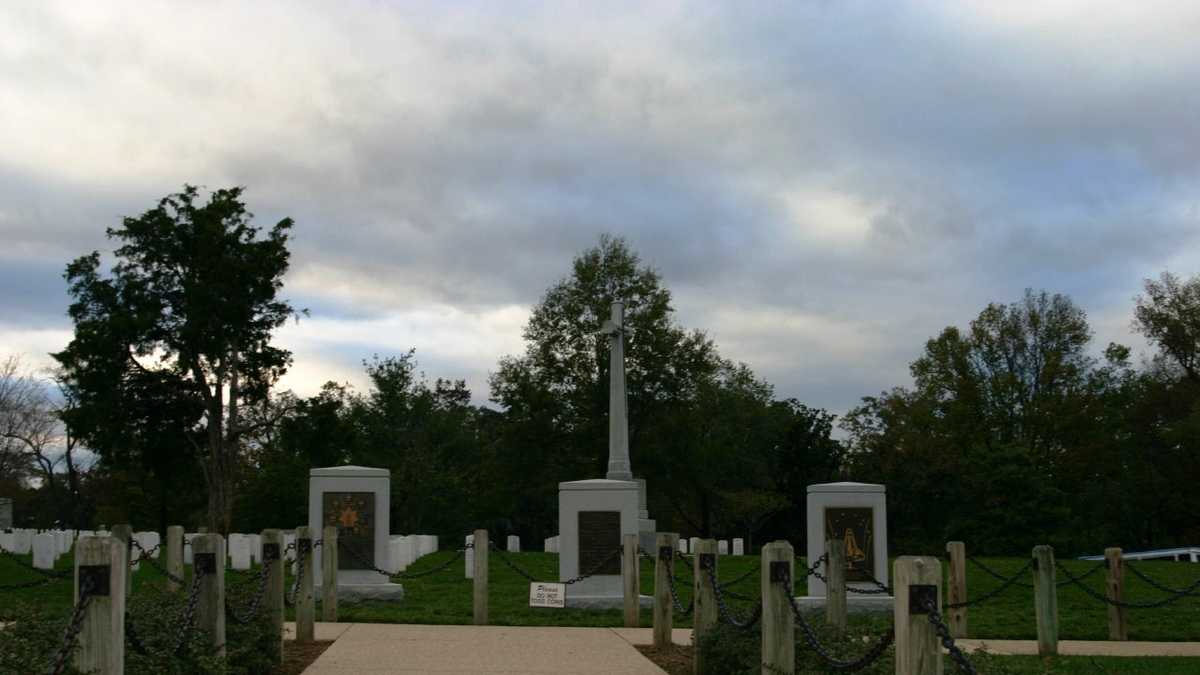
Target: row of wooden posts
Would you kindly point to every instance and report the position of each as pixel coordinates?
(105, 561)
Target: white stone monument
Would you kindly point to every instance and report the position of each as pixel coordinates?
(739, 546)
(357, 500)
(594, 515)
(857, 512)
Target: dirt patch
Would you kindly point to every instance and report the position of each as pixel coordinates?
(297, 657)
(675, 660)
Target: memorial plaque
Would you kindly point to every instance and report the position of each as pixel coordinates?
(854, 527)
(353, 514)
(599, 539)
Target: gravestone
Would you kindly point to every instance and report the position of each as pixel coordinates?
(683, 546)
(514, 544)
(723, 547)
(857, 513)
(45, 551)
(426, 544)
(739, 546)
(692, 541)
(239, 551)
(356, 500)
(22, 541)
(6, 513)
(6, 541)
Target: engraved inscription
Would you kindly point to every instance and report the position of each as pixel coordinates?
(353, 514)
(854, 527)
(599, 537)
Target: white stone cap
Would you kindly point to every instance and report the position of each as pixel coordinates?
(846, 487)
(598, 484)
(350, 471)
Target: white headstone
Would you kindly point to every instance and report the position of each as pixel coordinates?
(514, 544)
(6, 541)
(45, 550)
(239, 551)
(554, 544)
(408, 549)
(683, 545)
(255, 547)
(22, 541)
(739, 546)
(723, 547)
(858, 513)
(63, 539)
(469, 556)
(692, 541)
(547, 544)
(187, 546)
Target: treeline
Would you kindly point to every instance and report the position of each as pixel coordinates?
(1014, 430)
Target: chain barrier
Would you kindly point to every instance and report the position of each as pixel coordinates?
(943, 632)
(879, 589)
(503, 555)
(810, 636)
(724, 613)
(675, 593)
(811, 571)
(252, 611)
(1155, 584)
(289, 598)
(49, 574)
(362, 560)
(71, 635)
(747, 575)
(1009, 581)
(1154, 604)
(144, 556)
(189, 613)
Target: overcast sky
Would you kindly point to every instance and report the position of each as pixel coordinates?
(823, 186)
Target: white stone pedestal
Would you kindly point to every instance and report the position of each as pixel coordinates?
(858, 513)
(361, 501)
(610, 507)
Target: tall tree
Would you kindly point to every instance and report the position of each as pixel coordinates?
(1169, 315)
(179, 333)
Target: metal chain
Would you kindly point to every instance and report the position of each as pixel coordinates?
(50, 574)
(995, 591)
(290, 598)
(723, 611)
(1152, 582)
(879, 589)
(811, 571)
(145, 557)
(252, 612)
(674, 593)
(1099, 566)
(1000, 577)
(747, 575)
(362, 560)
(189, 613)
(1184, 592)
(943, 632)
(503, 555)
(71, 635)
(871, 656)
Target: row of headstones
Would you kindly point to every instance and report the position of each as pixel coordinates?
(404, 550)
(46, 545)
(723, 548)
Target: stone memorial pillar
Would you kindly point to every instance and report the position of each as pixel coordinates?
(855, 513)
(356, 500)
(593, 518)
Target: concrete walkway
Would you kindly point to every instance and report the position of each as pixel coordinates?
(403, 648)
(1084, 647)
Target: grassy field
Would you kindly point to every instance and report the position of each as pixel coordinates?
(445, 598)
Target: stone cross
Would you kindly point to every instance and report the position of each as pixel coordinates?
(618, 423)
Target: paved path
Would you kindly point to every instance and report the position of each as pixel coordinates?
(1085, 647)
(402, 648)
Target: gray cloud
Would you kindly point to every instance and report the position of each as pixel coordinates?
(822, 185)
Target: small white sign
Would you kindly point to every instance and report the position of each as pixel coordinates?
(547, 595)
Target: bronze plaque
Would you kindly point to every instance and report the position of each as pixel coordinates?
(599, 539)
(855, 528)
(353, 514)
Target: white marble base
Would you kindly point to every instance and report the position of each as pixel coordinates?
(855, 604)
(593, 495)
(605, 601)
(360, 592)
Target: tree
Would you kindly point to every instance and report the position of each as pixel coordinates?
(177, 339)
(1169, 316)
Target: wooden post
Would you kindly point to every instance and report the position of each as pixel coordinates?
(124, 532)
(174, 556)
(663, 560)
(704, 616)
(481, 578)
(329, 573)
(272, 554)
(1118, 619)
(778, 624)
(917, 580)
(306, 611)
(835, 586)
(103, 561)
(1045, 600)
(957, 588)
(208, 558)
(632, 578)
